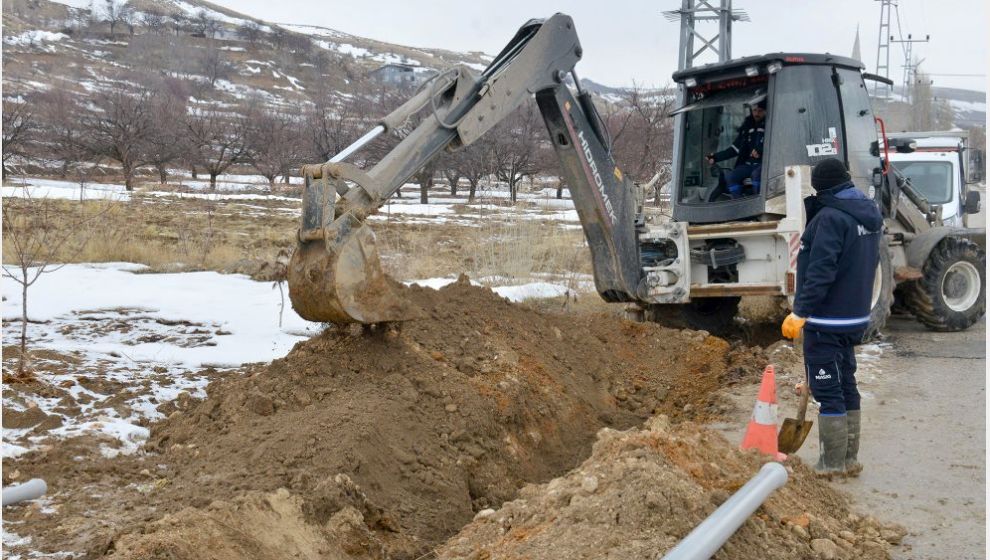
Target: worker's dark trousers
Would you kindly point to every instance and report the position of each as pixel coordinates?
(830, 362)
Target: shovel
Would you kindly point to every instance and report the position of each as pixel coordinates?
(794, 431)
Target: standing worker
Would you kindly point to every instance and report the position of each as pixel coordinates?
(836, 265)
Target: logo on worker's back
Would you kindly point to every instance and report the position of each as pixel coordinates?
(861, 230)
(823, 375)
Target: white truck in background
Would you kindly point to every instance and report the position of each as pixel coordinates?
(942, 168)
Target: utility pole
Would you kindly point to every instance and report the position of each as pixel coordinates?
(882, 90)
(695, 12)
(910, 66)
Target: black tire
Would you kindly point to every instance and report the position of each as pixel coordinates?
(945, 298)
(883, 295)
(714, 315)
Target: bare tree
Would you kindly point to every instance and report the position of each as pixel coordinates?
(515, 147)
(217, 141)
(62, 127)
(18, 127)
(206, 24)
(475, 162)
(450, 173)
(36, 232)
(273, 146)
(333, 121)
(213, 65)
(155, 20)
(120, 130)
(250, 31)
(166, 144)
(642, 132)
(278, 36)
(424, 177)
(129, 17)
(112, 14)
(177, 22)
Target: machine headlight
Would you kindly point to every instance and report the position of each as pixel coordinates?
(774, 67)
(690, 82)
(752, 71)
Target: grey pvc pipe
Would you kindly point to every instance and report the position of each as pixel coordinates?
(707, 538)
(30, 490)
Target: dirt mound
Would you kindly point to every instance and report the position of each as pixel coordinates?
(639, 493)
(439, 419)
(642, 491)
(257, 526)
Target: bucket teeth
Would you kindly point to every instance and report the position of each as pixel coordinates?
(340, 280)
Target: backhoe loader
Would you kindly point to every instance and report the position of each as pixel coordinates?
(715, 249)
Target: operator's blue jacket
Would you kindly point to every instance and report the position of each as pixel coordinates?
(749, 138)
(837, 262)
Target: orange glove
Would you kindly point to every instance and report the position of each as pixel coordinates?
(792, 326)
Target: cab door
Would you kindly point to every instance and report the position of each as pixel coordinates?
(859, 125)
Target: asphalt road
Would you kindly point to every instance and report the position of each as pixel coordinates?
(924, 440)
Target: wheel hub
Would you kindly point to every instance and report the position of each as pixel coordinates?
(961, 286)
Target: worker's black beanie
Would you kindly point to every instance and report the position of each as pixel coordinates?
(828, 174)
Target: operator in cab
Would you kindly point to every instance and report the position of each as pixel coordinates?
(748, 151)
(836, 265)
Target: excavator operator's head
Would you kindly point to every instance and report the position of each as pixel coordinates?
(759, 110)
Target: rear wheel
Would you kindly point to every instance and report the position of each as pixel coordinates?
(951, 294)
(883, 296)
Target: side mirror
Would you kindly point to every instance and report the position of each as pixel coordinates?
(972, 205)
(903, 145)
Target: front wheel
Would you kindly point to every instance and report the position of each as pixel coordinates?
(951, 294)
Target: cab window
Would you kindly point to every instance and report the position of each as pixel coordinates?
(805, 123)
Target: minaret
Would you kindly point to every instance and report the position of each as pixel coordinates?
(855, 53)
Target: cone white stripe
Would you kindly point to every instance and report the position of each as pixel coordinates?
(765, 413)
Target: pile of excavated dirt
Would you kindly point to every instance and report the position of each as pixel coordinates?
(639, 493)
(642, 491)
(396, 438)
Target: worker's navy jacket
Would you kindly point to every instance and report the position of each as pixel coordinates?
(750, 138)
(838, 259)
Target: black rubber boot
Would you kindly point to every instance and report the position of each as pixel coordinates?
(853, 466)
(833, 436)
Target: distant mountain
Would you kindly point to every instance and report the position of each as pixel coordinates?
(969, 106)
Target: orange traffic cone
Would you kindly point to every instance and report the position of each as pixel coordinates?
(761, 434)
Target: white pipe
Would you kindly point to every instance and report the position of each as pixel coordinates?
(707, 538)
(34, 488)
(360, 142)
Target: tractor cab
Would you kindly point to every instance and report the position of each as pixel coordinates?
(816, 106)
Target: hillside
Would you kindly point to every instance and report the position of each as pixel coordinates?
(220, 56)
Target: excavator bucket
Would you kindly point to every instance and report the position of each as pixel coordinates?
(335, 275)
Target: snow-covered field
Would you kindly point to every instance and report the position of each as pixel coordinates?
(126, 341)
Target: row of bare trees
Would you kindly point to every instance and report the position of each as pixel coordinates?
(153, 130)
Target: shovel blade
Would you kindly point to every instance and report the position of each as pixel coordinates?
(792, 435)
(340, 280)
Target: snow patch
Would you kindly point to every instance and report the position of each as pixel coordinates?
(67, 190)
(34, 36)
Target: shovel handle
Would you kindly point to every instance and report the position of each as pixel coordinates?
(803, 402)
(805, 389)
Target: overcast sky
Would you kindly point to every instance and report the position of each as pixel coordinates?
(629, 40)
